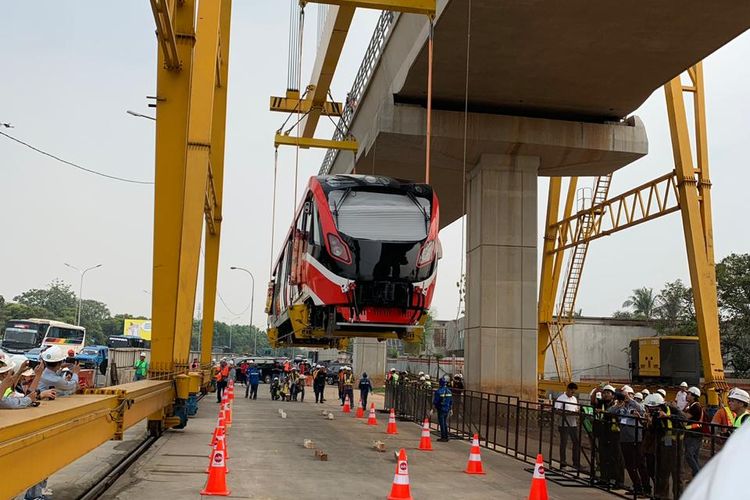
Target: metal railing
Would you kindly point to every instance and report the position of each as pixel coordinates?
(524, 429)
(366, 69)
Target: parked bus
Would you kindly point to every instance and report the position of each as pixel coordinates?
(22, 335)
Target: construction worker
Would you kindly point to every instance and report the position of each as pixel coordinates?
(607, 434)
(141, 367)
(253, 379)
(694, 427)
(9, 376)
(222, 378)
(660, 446)
(341, 384)
(680, 398)
(365, 388)
(52, 376)
(294, 383)
(738, 403)
(275, 388)
(319, 383)
(442, 401)
(348, 385)
(629, 411)
(638, 396)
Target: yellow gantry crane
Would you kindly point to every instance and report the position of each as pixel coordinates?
(686, 189)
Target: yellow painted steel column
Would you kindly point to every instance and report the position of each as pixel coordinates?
(172, 113)
(218, 133)
(551, 264)
(697, 241)
(196, 178)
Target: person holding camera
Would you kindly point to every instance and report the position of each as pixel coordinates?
(661, 445)
(607, 433)
(629, 412)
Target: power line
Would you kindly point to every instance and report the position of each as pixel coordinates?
(74, 165)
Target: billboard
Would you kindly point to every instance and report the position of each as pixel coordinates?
(137, 328)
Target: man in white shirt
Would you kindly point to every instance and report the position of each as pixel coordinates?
(567, 406)
(681, 398)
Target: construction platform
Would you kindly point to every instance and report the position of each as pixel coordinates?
(268, 460)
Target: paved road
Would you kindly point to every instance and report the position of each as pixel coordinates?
(267, 459)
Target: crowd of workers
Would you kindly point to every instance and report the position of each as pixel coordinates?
(55, 376)
(643, 433)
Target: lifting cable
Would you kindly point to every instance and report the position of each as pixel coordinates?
(273, 204)
(299, 118)
(430, 40)
(462, 278)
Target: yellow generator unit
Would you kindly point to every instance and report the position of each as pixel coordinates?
(668, 360)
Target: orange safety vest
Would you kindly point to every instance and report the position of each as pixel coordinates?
(222, 373)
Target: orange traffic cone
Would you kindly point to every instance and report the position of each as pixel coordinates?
(347, 408)
(538, 483)
(391, 429)
(475, 460)
(227, 412)
(220, 427)
(223, 446)
(425, 444)
(400, 489)
(217, 473)
(230, 390)
(360, 411)
(371, 420)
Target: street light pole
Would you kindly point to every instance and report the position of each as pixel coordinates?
(80, 288)
(252, 305)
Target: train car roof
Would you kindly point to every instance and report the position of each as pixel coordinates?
(340, 181)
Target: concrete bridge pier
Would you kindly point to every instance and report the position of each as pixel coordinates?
(501, 265)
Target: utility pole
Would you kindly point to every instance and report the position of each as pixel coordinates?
(80, 289)
(252, 305)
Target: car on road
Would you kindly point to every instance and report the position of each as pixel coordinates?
(94, 356)
(332, 376)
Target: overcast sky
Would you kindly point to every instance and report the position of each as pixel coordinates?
(70, 70)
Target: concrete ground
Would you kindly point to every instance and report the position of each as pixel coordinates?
(267, 459)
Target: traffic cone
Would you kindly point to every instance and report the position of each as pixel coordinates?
(538, 483)
(400, 489)
(371, 420)
(425, 444)
(360, 412)
(391, 429)
(227, 411)
(223, 446)
(220, 427)
(475, 460)
(217, 473)
(230, 389)
(347, 408)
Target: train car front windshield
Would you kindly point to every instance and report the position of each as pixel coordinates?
(385, 230)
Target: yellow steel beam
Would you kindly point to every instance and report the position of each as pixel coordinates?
(218, 134)
(293, 103)
(162, 11)
(646, 202)
(696, 223)
(551, 268)
(332, 43)
(426, 7)
(198, 158)
(172, 114)
(71, 426)
(307, 142)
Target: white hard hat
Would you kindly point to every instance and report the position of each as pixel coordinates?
(7, 365)
(393, 369)
(422, 379)
(638, 396)
(608, 388)
(654, 400)
(695, 392)
(421, 373)
(683, 384)
(54, 354)
(739, 395)
(627, 389)
(460, 375)
(662, 392)
(645, 392)
(427, 376)
(143, 355)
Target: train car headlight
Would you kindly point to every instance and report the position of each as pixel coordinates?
(427, 254)
(338, 248)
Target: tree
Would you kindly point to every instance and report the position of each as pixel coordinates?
(733, 283)
(642, 303)
(58, 300)
(675, 311)
(94, 315)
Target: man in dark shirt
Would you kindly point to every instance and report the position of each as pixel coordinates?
(694, 434)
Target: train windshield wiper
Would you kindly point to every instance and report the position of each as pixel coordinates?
(338, 205)
(422, 209)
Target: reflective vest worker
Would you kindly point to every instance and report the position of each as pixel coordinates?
(141, 367)
(739, 400)
(222, 376)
